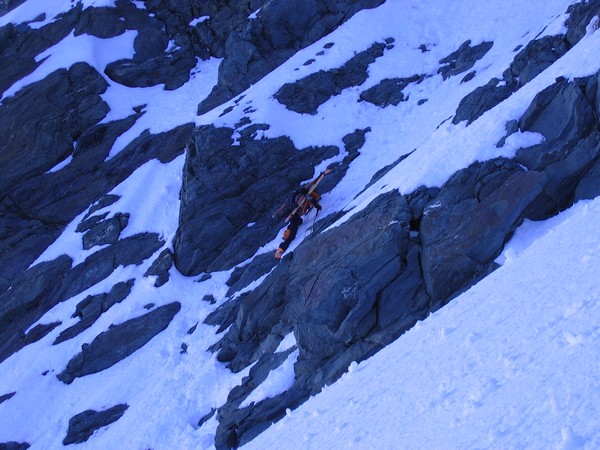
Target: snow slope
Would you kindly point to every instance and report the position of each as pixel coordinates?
(512, 363)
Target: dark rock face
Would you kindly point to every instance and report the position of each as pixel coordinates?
(463, 58)
(83, 425)
(106, 231)
(27, 301)
(92, 307)
(534, 58)
(306, 95)
(482, 99)
(14, 445)
(164, 50)
(467, 224)
(36, 211)
(389, 91)
(230, 192)
(279, 30)
(46, 284)
(35, 204)
(59, 100)
(589, 186)
(243, 276)
(118, 342)
(566, 114)
(19, 45)
(565, 100)
(580, 15)
(332, 307)
(410, 255)
(223, 18)
(160, 268)
(344, 293)
(527, 64)
(9, 5)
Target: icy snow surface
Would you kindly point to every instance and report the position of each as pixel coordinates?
(512, 363)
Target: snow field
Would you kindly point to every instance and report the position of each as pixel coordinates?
(512, 363)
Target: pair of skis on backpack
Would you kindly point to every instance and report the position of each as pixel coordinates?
(303, 201)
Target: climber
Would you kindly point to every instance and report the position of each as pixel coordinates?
(303, 200)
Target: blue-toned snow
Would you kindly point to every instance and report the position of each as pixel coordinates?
(511, 363)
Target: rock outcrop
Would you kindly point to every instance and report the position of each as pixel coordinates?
(389, 91)
(536, 56)
(278, 31)
(83, 425)
(463, 58)
(118, 342)
(44, 285)
(410, 255)
(229, 193)
(306, 95)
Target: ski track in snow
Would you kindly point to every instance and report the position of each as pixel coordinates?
(512, 363)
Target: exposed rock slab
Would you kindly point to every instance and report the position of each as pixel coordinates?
(463, 58)
(46, 284)
(230, 192)
(92, 307)
(306, 95)
(83, 425)
(279, 30)
(118, 342)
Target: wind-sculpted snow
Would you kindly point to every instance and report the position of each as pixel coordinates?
(141, 305)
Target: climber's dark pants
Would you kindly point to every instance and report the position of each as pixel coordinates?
(295, 222)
